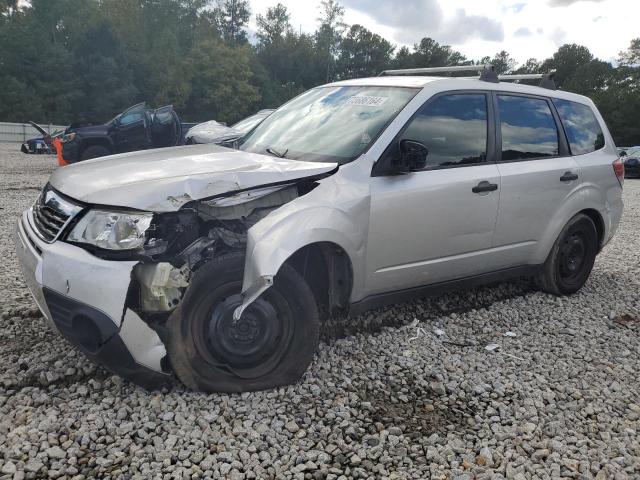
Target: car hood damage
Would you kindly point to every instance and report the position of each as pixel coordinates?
(164, 180)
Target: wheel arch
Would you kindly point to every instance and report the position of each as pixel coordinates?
(327, 269)
(595, 215)
(96, 141)
(587, 202)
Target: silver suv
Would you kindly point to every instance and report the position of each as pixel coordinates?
(218, 265)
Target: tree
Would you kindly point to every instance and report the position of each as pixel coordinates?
(566, 61)
(530, 66)
(503, 62)
(274, 25)
(232, 17)
(631, 56)
(363, 53)
(100, 66)
(429, 53)
(329, 33)
(220, 82)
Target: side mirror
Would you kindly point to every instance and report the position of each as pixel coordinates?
(413, 157)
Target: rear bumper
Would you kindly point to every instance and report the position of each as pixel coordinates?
(83, 298)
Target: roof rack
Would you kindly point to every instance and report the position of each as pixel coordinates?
(546, 79)
(487, 71)
(487, 74)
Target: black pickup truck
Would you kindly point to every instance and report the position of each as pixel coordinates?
(137, 128)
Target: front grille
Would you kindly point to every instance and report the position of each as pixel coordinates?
(51, 213)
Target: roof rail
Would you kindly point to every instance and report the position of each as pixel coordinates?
(546, 79)
(486, 71)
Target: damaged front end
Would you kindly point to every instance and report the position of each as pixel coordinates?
(176, 245)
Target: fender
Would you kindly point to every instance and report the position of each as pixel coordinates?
(89, 141)
(585, 197)
(309, 219)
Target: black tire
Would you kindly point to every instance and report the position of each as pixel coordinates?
(272, 344)
(571, 259)
(95, 151)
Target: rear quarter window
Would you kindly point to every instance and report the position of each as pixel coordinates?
(581, 126)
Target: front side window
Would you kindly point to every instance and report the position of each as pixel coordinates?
(582, 127)
(130, 118)
(328, 124)
(453, 128)
(528, 128)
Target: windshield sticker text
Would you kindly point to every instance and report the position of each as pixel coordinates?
(366, 101)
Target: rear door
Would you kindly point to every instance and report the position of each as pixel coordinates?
(537, 174)
(435, 225)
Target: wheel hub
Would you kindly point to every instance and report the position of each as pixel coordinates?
(247, 342)
(572, 256)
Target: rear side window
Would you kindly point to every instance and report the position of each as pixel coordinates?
(581, 126)
(528, 128)
(453, 128)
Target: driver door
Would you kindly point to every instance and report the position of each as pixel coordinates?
(436, 224)
(165, 127)
(131, 129)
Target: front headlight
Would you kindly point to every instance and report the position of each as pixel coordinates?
(112, 230)
(68, 137)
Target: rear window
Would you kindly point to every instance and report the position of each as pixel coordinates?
(582, 127)
(528, 128)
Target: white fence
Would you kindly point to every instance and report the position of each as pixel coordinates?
(19, 132)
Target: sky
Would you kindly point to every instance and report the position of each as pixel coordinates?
(524, 28)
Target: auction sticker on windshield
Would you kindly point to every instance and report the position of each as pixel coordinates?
(366, 101)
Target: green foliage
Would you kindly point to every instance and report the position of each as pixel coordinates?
(213, 64)
(363, 53)
(66, 60)
(231, 17)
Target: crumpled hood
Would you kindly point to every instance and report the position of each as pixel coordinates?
(164, 179)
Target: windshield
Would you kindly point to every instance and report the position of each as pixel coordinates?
(248, 123)
(333, 124)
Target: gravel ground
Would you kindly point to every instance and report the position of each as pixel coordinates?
(385, 398)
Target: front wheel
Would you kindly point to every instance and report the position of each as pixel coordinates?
(272, 344)
(571, 259)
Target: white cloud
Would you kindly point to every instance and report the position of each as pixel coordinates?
(524, 28)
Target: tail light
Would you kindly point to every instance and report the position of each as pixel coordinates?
(618, 168)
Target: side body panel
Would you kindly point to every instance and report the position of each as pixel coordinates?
(532, 196)
(429, 226)
(523, 235)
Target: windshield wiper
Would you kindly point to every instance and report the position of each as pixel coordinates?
(275, 153)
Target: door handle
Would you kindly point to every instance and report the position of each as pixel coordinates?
(569, 177)
(484, 186)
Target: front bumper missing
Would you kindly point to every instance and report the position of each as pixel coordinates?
(83, 298)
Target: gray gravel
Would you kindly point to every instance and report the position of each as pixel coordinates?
(391, 399)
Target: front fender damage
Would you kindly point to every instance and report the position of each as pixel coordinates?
(178, 244)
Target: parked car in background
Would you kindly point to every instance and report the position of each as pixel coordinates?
(137, 128)
(631, 162)
(220, 134)
(220, 265)
(43, 144)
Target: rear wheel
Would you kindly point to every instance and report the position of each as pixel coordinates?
(272, 343)
(95, 151)
(571, 259)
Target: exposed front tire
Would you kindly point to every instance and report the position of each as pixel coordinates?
(271, 345)
(95, 151)
(571, 258)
